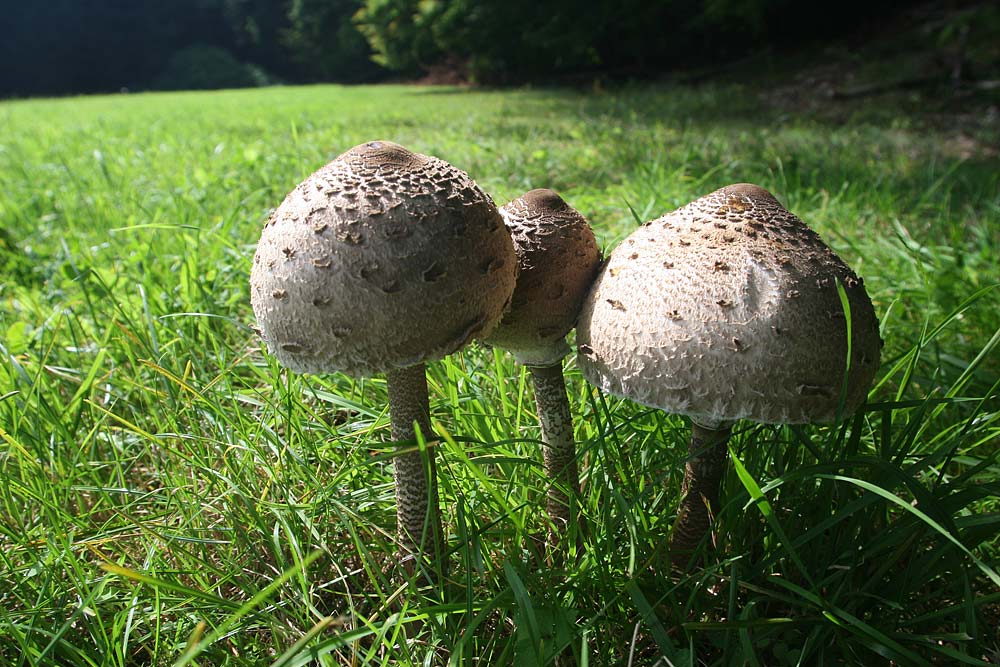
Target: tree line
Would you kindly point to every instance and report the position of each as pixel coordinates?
(69, 46)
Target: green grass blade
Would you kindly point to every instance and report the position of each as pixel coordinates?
(896, 500)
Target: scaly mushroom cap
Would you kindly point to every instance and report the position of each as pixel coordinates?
(382, 259)
(726, 309)
(558, 259)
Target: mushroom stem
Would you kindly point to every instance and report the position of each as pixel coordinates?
(559, 450)
(418, 518)
(707, 457)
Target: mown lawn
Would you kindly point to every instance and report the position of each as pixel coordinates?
(169, 493)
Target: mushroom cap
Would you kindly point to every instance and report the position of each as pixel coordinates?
(381, 259)
(558, 259)
(728, 308)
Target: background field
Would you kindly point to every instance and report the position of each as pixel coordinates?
(168, 492)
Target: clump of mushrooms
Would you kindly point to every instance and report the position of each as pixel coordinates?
(381, 261)
(728, 308)
(558, 259)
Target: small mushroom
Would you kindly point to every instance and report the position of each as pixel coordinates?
(332, 290)
(558, 259)
(755, 341)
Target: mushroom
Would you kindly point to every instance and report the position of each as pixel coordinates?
(380, 261)
(728, 308)
(558, 259)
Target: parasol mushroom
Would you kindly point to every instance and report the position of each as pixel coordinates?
(725, 309)
(381, 261)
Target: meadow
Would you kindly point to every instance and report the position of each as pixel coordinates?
(170, 495)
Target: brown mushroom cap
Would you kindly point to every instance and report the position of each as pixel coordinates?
(558, 259)
(381, 259)
(726, 309)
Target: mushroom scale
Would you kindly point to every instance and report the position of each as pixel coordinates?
(381, 259)
(728, 308)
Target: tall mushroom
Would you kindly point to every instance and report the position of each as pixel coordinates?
(728, 308)
(558, 259)
(380, 261)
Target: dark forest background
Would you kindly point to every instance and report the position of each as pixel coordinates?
(78, 46)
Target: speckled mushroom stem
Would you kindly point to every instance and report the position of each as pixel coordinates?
(418, 518)
(707, 457)
(559, 450)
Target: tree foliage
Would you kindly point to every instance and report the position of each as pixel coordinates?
(65, 46)
(404, 34)
(68, 46)
(325, 43)
(525, 39)
(203, 67)
(259, 27)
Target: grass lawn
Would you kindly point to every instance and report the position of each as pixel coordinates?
(168, 493)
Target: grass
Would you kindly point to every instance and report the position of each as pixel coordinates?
(170, 495)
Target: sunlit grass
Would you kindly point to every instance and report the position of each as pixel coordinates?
(169, 493)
